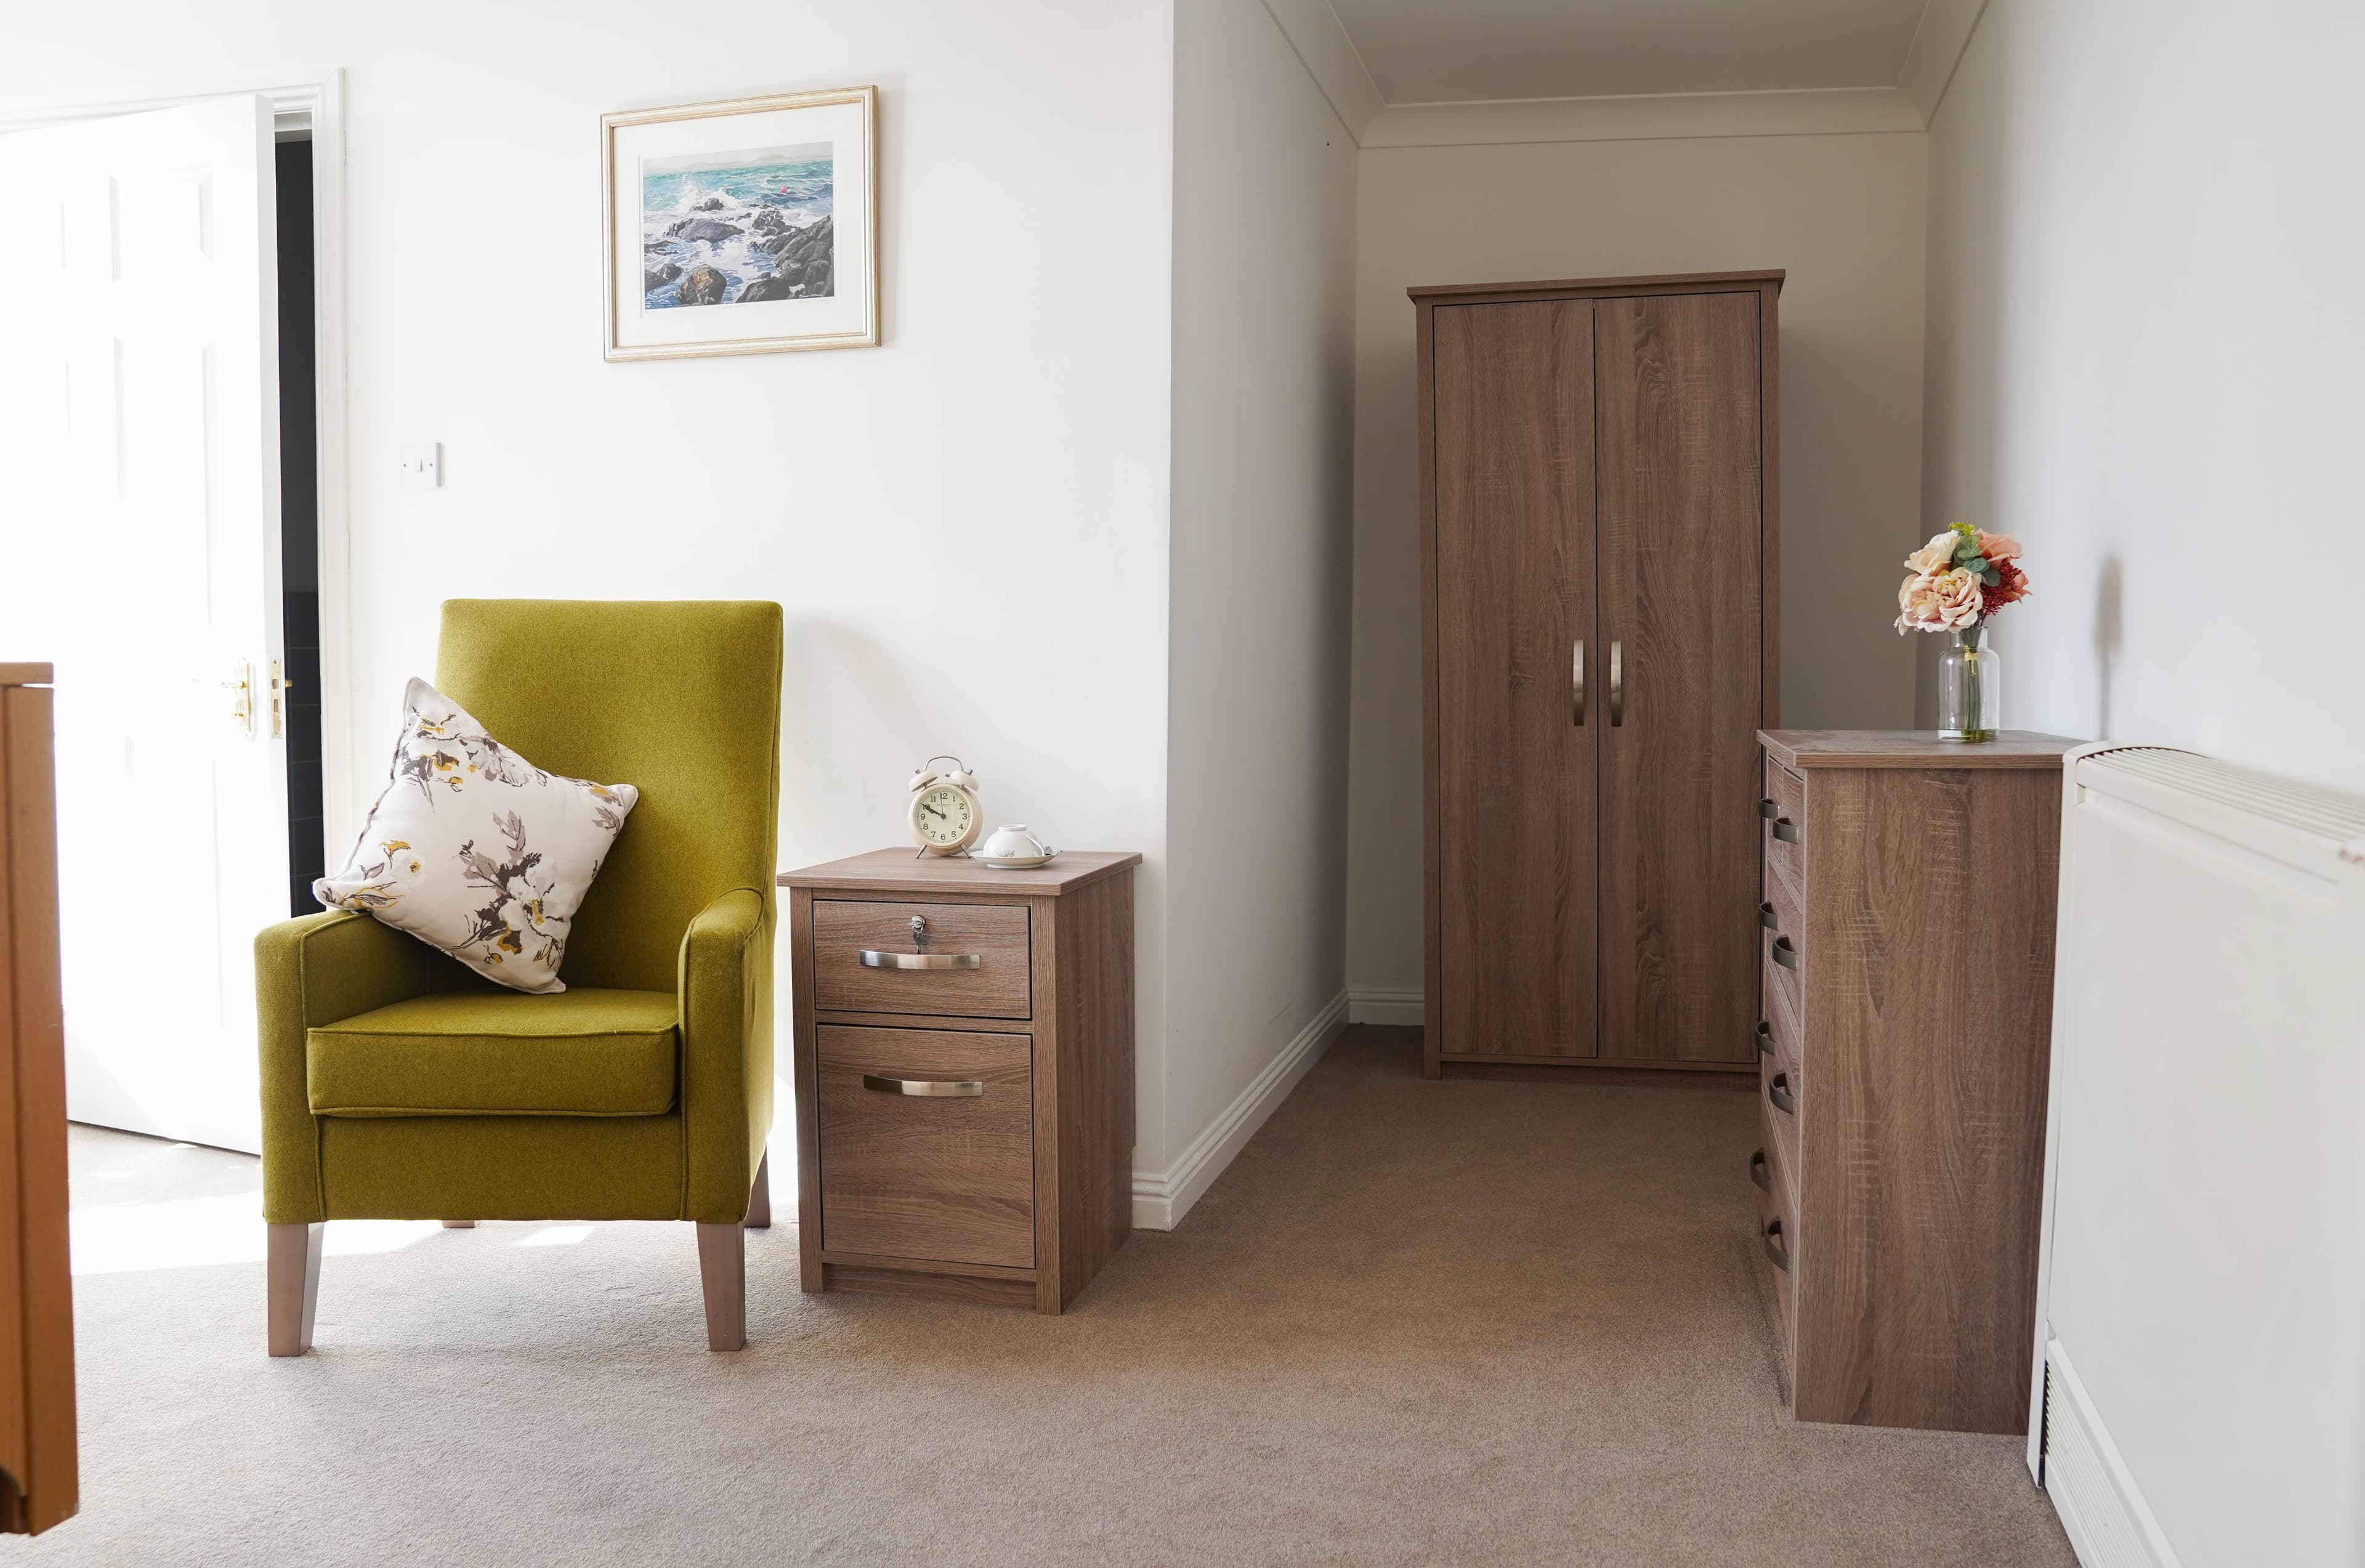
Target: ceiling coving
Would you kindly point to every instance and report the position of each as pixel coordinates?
(1454, 51)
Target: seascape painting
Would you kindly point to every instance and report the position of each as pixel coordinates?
(737, 227)
(747, 226)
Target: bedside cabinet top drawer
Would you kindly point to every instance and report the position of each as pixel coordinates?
(945, 961)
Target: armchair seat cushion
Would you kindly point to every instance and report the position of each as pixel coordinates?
(585, 1052)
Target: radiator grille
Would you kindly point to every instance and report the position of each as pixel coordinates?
(2329, 813)
(2092, 1510)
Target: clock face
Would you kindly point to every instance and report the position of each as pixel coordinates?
(941, 815)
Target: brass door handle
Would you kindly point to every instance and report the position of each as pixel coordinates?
(1785, 954)
(1774, 1252)
(1777, 1089)
(1617, 684)
(933, 1088)
(1788, 830)
(874, 959)
(1576, 685)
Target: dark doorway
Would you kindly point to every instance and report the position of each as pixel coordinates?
(299, 526)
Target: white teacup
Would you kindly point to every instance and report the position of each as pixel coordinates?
(1014, 843)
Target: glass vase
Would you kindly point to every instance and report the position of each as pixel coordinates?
(1971, 690)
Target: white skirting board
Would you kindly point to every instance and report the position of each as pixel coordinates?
(1379, 1004)
(2103, 1510)
(1160, 1198)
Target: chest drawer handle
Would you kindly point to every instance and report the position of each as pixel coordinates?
(1785, 954)
(1757, 1172)
(1767, 809)
(874, 959)
(1775, 1250)
(1788, 830)
(939, 1088)
(1768, 918)
(1779, 1091)
(1764, 1040)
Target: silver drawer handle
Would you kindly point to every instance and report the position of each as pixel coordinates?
(1785, 954)
(1768, 918)
(1779, 1091)
(874, 959)
(941, 1088)
(1776, 1253)
(1768, 810)
(1788, 830)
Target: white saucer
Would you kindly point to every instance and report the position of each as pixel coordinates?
(1016, 862)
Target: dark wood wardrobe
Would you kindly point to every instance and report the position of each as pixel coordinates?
(1597, 470)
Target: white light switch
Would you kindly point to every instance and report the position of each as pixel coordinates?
(422, 464)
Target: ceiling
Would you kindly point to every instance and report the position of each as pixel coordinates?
(1441, 51)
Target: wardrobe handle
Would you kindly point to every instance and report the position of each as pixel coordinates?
(1788, 830)
(1775, 1250)
(1576, 685)
(1617, 684)
(1777, 1089)
(1764, 1183)
(1764, 1040)
(1768, 918)
(1785, 954)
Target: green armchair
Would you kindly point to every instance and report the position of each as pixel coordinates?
(397, 1085)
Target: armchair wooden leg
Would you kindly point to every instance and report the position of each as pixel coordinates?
(722, 1273)
(459, 1225)
(292, 1286)
(759, 1196)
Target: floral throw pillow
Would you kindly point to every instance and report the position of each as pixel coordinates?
(475, 850)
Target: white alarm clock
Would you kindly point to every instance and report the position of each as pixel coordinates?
(945, 817)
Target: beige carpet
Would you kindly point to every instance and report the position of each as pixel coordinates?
(1415, 1323)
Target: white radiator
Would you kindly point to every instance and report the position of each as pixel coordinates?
(2199, 1390)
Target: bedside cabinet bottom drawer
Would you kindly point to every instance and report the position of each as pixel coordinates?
(927, 1145)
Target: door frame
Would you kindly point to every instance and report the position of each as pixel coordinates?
(314, 103)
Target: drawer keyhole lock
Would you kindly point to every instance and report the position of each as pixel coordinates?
(919, 931)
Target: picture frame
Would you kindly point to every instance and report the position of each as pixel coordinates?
(745, 226)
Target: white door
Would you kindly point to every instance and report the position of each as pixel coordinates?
(139, 554)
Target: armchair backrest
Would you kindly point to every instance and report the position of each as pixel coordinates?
(680, 699)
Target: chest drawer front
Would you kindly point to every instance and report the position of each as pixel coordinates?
(927, 1145)
(970, 960)
(1777, 1096)
(1782, 812)
(1779, 1245)
(1781, 1026)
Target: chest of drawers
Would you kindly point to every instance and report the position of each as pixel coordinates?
(1905, 1001)
(964, 1074)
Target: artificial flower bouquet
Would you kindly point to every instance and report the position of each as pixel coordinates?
(1959, 579)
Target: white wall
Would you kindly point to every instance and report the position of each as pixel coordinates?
(2145, 330)
(1261, 564)
(967, 526)
(1844, 216)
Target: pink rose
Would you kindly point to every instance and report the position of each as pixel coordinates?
(1938, 601)
(1935, 557)
(1998, 546)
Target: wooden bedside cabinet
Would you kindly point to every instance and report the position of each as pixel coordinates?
(964, 1074)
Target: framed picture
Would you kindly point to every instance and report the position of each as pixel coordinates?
(746, 227)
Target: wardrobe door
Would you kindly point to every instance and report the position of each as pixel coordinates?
(1677, 395)
(1515, 791)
